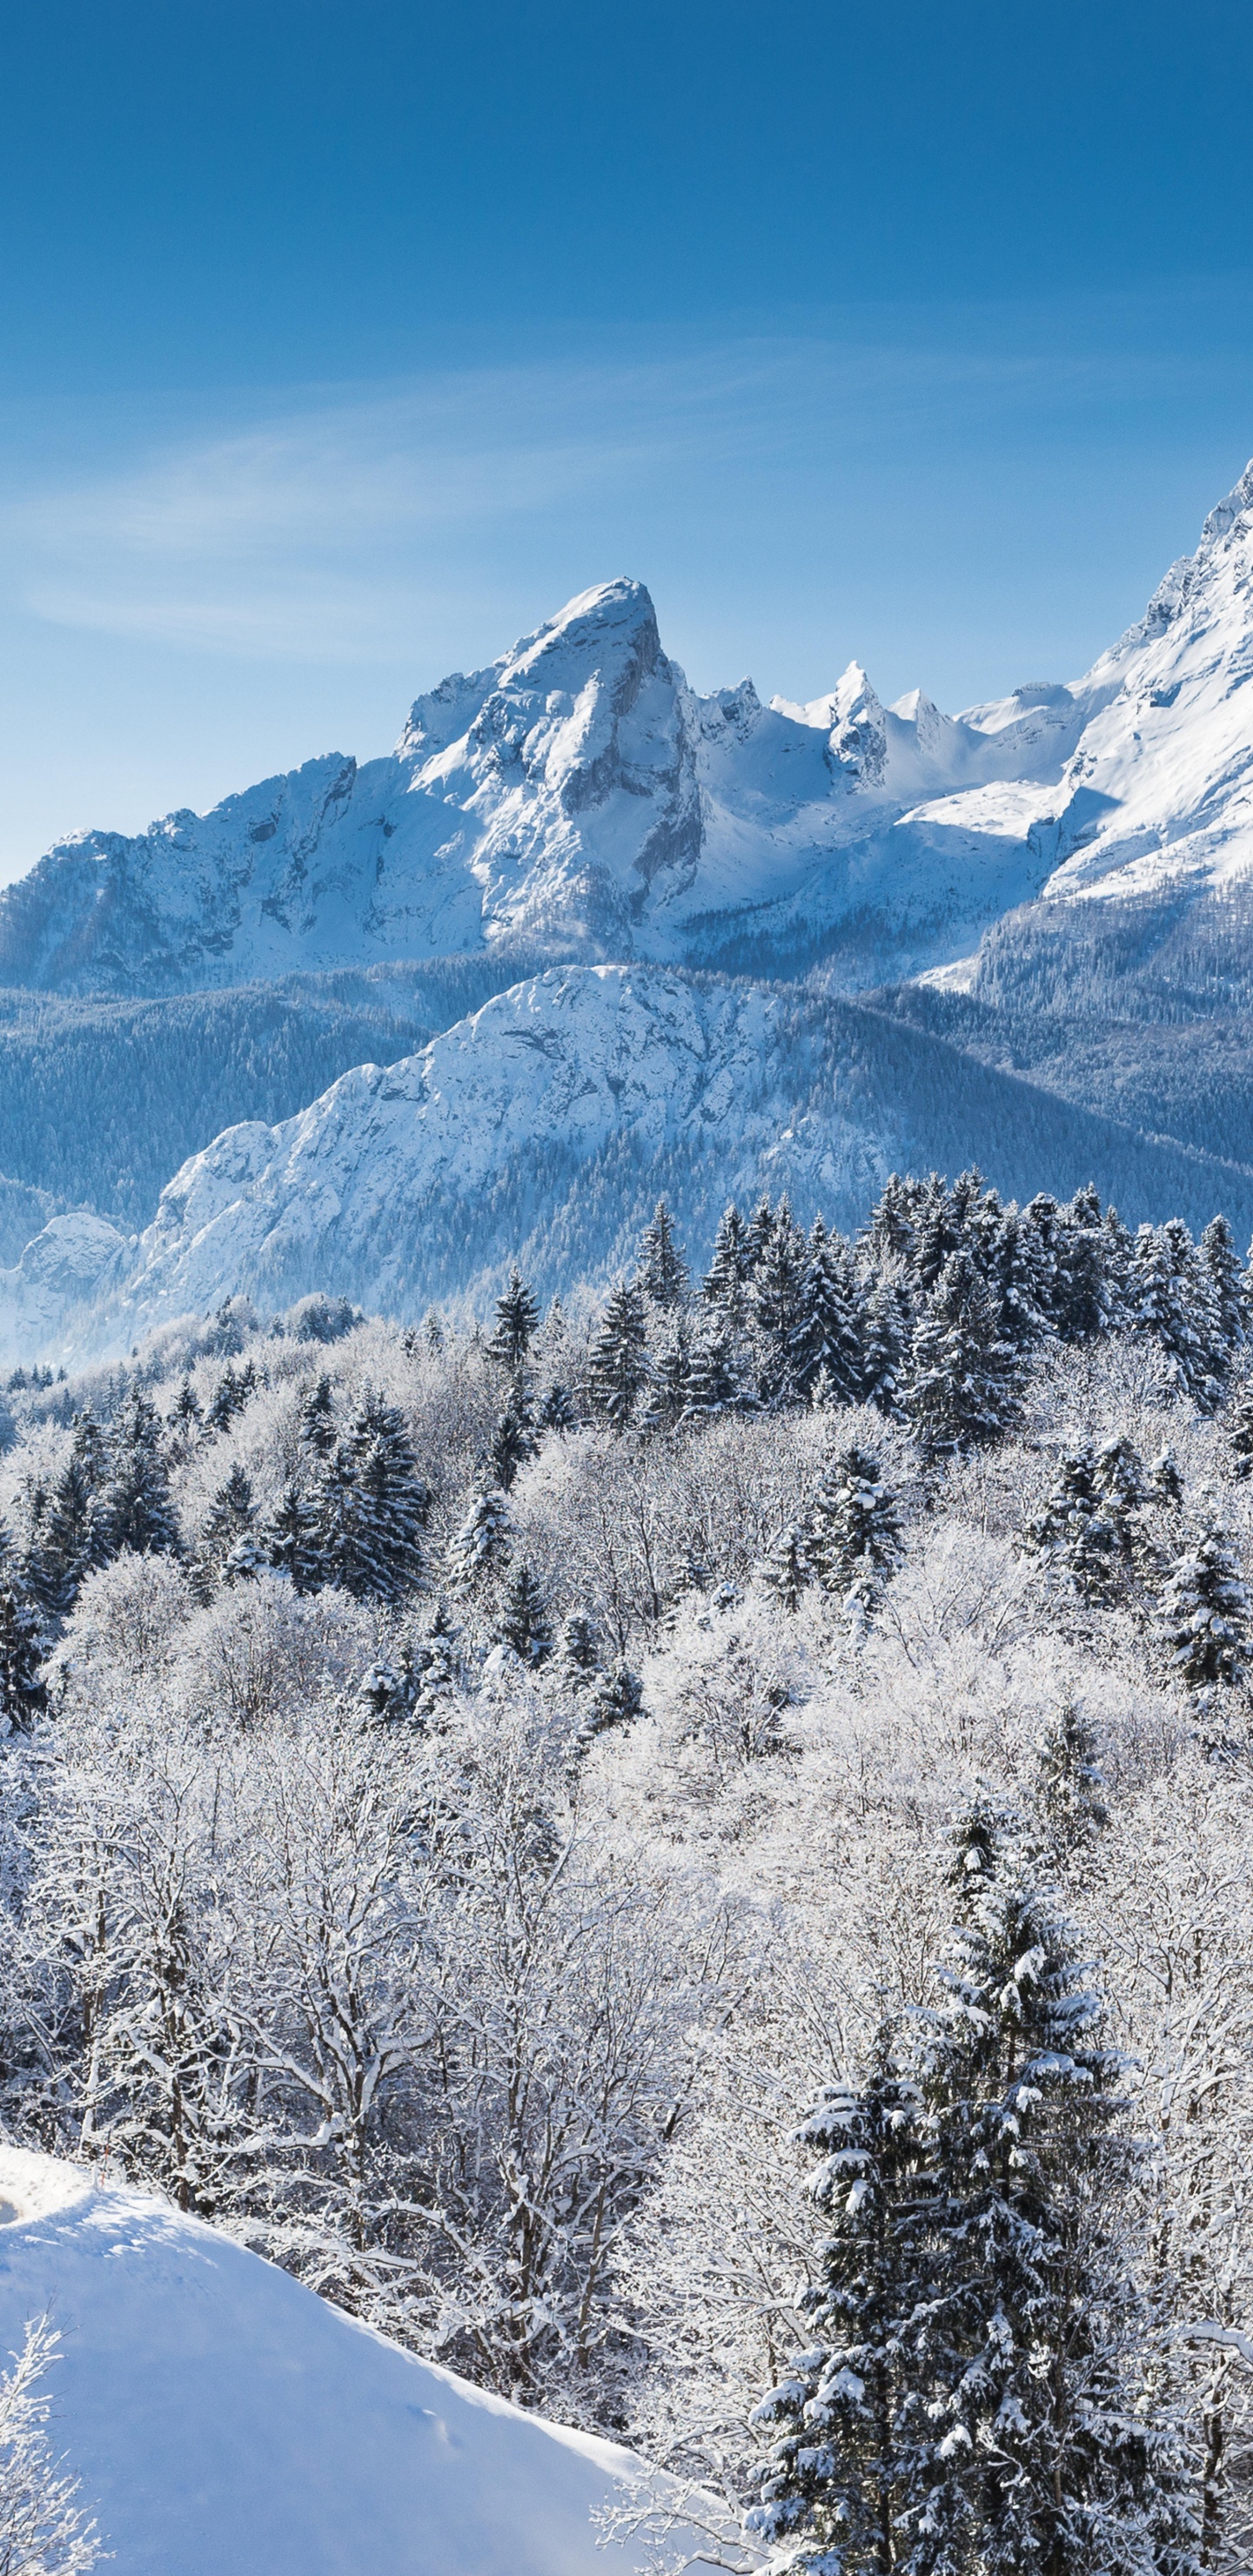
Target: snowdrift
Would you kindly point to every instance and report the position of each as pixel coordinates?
(225, 2422)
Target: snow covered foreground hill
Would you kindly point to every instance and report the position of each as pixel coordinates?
(223, 2421)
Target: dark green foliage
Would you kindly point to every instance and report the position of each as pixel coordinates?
(778, 1277)
(852, 1537)
(317, 1419)
(725, 1283)
(1240, 1430)
(1205, 1612)
(230, 1521)
(618, 1366)
(483, 1545)
(517, 1321)
(558, 1410)
(136, 1511)
(23, 1645)
(513, 1439)
(370, 1508)
(973, 2403)
(962, 1381)
(524, 1623)
(288, 1540)
(617, 1699)
(663, 1272)
(1069, 1788)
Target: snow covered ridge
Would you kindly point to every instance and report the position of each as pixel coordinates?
(576, 792)
(224, 2421)
(545, 1124)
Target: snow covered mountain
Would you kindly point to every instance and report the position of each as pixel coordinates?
(545, 1125)
(576, 793)
(1151, 826)
(223, 2421)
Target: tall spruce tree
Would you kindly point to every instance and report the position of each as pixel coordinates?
(837, 2479)
(1205, 1611)
(288, 1538)
(852, 1536)
(1033, 2444)
(618, 1362)
(483, 1545)
(663, 1273)
(23, 1645)
(136, 1510)
(962, 1380)
(230, 1519)
(726, 1281)
(516, 1325)
(524, 1623)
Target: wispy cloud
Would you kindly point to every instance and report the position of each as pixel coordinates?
(326, 532)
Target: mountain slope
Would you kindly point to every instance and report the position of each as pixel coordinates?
(575, 793)
(546, 1124)
(223, 2421)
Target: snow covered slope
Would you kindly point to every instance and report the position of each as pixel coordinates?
(545, 1125)
(577, 793)
(224, 2422)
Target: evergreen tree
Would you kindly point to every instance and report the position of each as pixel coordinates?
(828, 1339)
(1082, 1301)
(1169, 1297)
(1205, 1611)
(663, 1270)
(886, 1331)
(786, 1570)
(513, 1440)
(436, 1667)
(962, 1381)
(288, 1539)
(1081, 1534)
(23, 1646)
(1031, 2444)
(524, 1623)
(1221, 1264)
(889, 1237)
(577, 1659)
(317, 1429)
(670, 1376)
(517, 1321)
(1240, 1431)
(778, 1275)
(617, 1700)
(1164, 1481)
(187, 1416)
(726, 1280)
(1069, 1788)
(74, 1537)
(558, 1411)
(757, 1236)
(370, 1508)
(230, 1519)
(618, 1366)
(852, 1539)
(231, 1395)
(136, 1511)
(483, 1545)
(836, 2481)
(712, 1385)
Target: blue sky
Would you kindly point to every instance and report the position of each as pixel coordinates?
(343, 342)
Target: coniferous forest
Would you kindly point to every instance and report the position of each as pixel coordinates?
(688, 1855)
